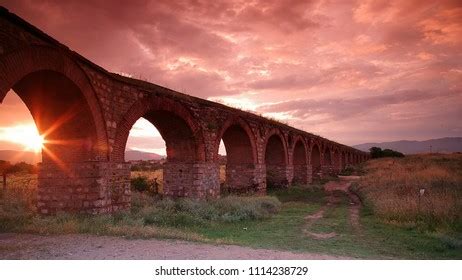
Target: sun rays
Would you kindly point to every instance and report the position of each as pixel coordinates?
(25, 135)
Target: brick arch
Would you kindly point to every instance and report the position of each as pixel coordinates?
(300, 161)
(56, 66)
(327, 155)
(240, 123)
(344, 159)
(278, 133)
(299, 139)
(315, 159)
(159, 110)
(241, 156)
(275, 156)
(336, 155)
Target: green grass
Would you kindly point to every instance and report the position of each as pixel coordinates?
(377, 241)
(276, 221)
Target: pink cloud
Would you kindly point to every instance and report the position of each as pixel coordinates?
(275, 52)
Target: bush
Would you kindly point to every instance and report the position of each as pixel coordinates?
(190, 212)
(377, 152)
(140, 184)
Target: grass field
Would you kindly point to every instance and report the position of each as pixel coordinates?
(391, 189)
(279, 221)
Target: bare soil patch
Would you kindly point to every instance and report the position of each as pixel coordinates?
(332, 199)
(79, 246)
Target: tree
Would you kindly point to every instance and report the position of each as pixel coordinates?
(377, 152)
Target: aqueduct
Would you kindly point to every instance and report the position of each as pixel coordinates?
(86, 114)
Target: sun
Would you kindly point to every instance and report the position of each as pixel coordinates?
(25, 135)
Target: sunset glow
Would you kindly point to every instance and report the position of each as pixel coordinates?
(351, 71)
(25, 135)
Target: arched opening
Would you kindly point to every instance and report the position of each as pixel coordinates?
(276, 162)
(174, 175)
(20, 152)
(20, 140)
(344, 160)
(300, 164)
(146, 153)
(315, 161)
(62, 117)
(327, 158)
(240, 161)
(184, 171)
(71, 143)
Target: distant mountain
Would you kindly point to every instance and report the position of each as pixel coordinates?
(18, 156)
(33, 158)
(441, 145)
(139, 155)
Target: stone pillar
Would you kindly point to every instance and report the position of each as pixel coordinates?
(309, 177)
(302, 174)
(327, 169)
(277, 175)
(244, 178)
(195, 180)
(338, 163)
(86, 187)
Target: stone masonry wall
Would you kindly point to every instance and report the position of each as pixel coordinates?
(90, 187)
(301, 174)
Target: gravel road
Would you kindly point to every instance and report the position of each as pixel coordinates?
(80, 246)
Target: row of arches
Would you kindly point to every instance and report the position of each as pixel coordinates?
(254, 161)
(63, 102)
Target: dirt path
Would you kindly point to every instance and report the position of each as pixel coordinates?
(353, 209)
(79, 246)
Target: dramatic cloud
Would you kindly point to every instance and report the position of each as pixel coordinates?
(352, 71)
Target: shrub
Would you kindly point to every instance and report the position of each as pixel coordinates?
(140, 184)
(377, 152)
(190, 212)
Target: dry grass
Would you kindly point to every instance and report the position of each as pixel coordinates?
(149, 216)
(18, 202)
(158, 174)
(391, 188)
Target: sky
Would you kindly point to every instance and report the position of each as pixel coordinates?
(350, 71)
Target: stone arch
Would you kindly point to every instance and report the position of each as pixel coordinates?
(183, 136)
(300, 161)
(241, 156)
(185, 168)
(315, 160)
(44, 77)
(276, 159)
(244, 132)
(327, 156)
(66, 111)
(344, 160)
(278, 134)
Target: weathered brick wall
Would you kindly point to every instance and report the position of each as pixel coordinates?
(240, 178)
(277, 175)
(91, 187)
(197, 180)
(302, 174)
